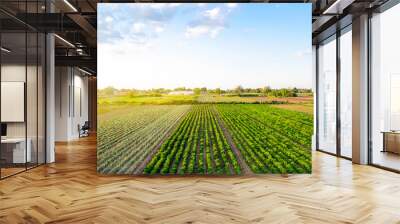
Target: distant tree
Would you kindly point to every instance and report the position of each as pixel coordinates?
(132, 93)
(204, 90)
(266, 90)
(180, 89)
(197, 91)
(239, 89)
(109, 91)
(218, 91)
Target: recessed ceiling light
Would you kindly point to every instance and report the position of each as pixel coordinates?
(70, 5)
(84, 71)
(64, 40)
(5, 50)
(338, 6)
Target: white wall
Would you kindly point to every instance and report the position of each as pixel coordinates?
(16, 73)
(71, 102)
(62, 82)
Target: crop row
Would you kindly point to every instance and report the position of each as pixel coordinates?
(198, 146)
(295, 125)
(125, 141)
(264, 149)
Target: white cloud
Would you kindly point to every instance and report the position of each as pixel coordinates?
(212, 14)
(215, 31)
(138, 27)
(109, 19)
(201, 4)
(159, 29)
(174, 4)
(196, 31)
(163, 5)
(139, 23)
(157, 5)
(232, 5)
(211, 23)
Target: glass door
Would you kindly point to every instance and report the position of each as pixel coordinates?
(22, 78)
(327, 96)
(346, 92)
(14, 155)
(385, 89)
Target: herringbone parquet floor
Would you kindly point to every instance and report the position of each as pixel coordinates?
(70, 191)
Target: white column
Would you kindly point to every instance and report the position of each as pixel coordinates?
(50, 100)
(360, 90)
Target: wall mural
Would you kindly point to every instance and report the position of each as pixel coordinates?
(204, 89)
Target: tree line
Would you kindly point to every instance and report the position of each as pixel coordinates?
(237, 91)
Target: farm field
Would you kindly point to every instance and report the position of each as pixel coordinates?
(127, 136)
(197, 146)
(300, 107)
(270, 140)
(219, 105)
(203, 139)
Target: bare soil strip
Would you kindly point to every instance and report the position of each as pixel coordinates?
(243, 165)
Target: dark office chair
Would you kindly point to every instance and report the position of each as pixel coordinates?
(84, 130)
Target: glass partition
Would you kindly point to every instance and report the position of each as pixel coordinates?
(385, 89)
(327, 95)
(14, 153)
(22, 107)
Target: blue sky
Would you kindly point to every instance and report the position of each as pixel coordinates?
(153, 45)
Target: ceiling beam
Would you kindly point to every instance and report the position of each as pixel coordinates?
(80, 61)
(86, 27)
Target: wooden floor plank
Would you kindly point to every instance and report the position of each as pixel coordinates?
(70, 191)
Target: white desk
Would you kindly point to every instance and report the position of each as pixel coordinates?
(19, 155)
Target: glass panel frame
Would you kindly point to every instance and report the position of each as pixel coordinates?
(13, 74)
(327, 95)
(340, 103)
(345, 54)
(26, 58)
(383, 87)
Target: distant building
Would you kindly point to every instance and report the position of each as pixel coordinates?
(183, 92)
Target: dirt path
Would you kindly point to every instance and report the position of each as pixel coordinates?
(243, 165)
